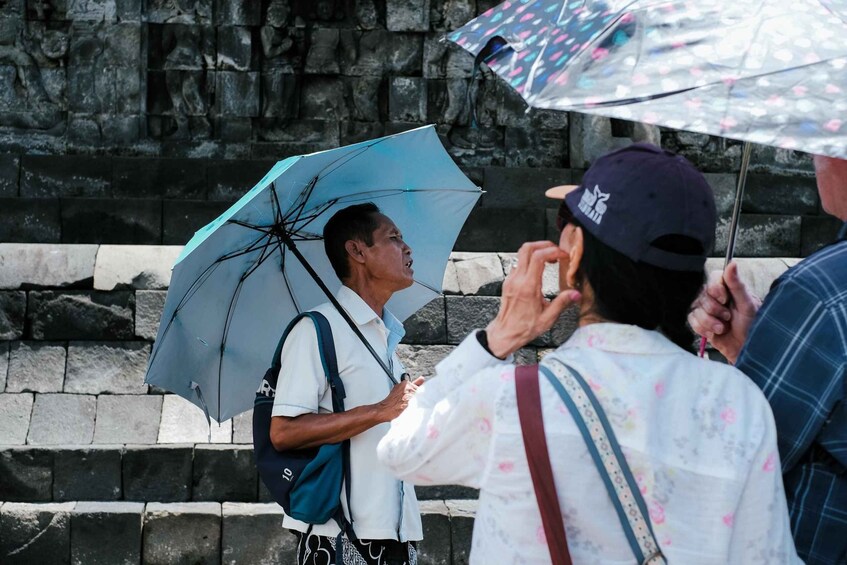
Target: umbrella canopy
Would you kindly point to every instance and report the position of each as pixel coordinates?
(772, 72)
(238, 282)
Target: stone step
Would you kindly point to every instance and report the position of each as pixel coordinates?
(108, 533)
(146, 473)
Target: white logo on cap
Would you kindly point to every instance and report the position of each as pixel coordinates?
(593, 204)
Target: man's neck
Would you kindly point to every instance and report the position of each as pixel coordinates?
(372, 295)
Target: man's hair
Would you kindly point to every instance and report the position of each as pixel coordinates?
(354, 222)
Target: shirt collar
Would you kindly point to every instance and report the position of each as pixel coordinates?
(620, 338)
(842, 233)
(362, 314)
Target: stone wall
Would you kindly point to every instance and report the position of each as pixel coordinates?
(136, 122)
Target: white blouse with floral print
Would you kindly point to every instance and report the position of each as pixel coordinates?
(698, 435)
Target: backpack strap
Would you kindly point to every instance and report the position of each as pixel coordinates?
(538, 457)
(607, 455)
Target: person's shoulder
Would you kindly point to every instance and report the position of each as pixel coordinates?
(819, 273)
(728, 382)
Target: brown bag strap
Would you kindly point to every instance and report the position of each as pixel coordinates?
(532, 427)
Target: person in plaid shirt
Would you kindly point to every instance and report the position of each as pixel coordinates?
(794, 346)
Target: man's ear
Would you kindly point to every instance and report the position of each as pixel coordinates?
(577, 243)
(354, 250)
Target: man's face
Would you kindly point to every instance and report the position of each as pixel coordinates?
(389, 259)
(831, 176)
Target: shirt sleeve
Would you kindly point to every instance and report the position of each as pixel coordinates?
(445, 434)
(793, 354)
(301, 383)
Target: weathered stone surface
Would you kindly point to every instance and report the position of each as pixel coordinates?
(467, 313)
(87, 473)
(411, 15)
(242, 522)
(184, 217)
(15, 410)
(592, 136)
(45, 176)
(238, 94)
(242, 428)
(182, 422)
(482, 275)
(450, 284)
(817, 232)
(224, 473)
(420, 361)
(30, 220)
(549, 280)
(151, 178)
(4, 364)
(139, 267)
(762, 236)
(531, 147)
(521, 187)
(118, 522)
(771, 194)
(27, 474)
(237, 13)
(435, 548)
(148, 312)
(12, 314)
(501, 229)
(723, 186)
(110, 367)
(182, 533)
(90, 220)
(427, 325)
(161, 473)
(9, 175)
(165, 11)
(42, 265)
(132, 419)
(35, 533)
(62, 419)
(446, 492)
(757, 274)
(230, 180)
(80, 315)
(407, 99)
(36, 367)
(462, 514)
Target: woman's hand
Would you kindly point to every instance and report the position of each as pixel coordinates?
(524, 311)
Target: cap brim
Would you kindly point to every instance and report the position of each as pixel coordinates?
(559, 192)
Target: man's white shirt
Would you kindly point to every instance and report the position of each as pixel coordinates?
(383, 507)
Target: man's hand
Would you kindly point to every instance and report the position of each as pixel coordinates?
(524, 311)
(724, 312)
(398, 399)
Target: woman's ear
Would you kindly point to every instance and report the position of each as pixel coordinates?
(354, 250)
(576, 243)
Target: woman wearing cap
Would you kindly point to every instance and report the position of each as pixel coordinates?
(697, 438)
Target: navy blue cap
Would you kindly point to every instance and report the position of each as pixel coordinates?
(631, 197)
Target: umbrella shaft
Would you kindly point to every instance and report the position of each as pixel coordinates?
(739, 196)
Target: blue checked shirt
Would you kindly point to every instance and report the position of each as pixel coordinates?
(797, 353)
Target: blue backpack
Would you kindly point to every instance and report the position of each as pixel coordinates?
(306, 482)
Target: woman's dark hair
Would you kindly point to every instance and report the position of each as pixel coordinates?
(354, 222)
(629, 292)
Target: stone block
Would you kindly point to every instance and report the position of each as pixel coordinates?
(531, 147)
(141, 267)
(817, 232)
(118, 522)
(132, 419)
(15, 411)
(237, 12)
(435, 548)
(407, 99)
(93, 220)
(427, 325)
(10, 166)
(450, 283)
(62, 419)
(723, 187)
(35, 533)
(512, 111)
(501, 229)
(420, 360)
(12, 314)
(46, 176)
(771, 194)
(407, 15)
(521, 187)
(237, 94)
(230, 180)
(157, 178)
(184, 217)
(24, 265)
(36, 367)
(467, 313)
(166, 11)
(242, 428)
(446, 492)
(4, 364)
(757, 273)
(592, 136)
(365, 98)
(322, 58)
(561, 330)
(243, 524)
(107, 367)
(182, 533)
(87, 473)
(80, 315)
(224, 473)
(148, 312)
(235, 48)
(462, 513)
(30, 220)
(183, 422)
(27, 474)
(761, 236)
(324, 96)
(773, 160)
(443, 59)
(160, 473)
(481, 275)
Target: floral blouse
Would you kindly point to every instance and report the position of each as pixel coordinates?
(698, 436)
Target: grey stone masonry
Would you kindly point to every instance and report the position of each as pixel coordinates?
(35, 533)
(462, 513)
(182, 422)
(182, 533)
(148, 311)
(62, 419)
(468, 313)
(261, 523)
(420, 361)
(436, 530)
(81, 315)
(106, 533)
(242, 428)
(132, 419)
(4, 364)
(479, 274)
(160, 473)
(12, 314)
(111, 367)
(36, 367)
(142, 267)
(87, 473)
(24, 265)
(427, 325)
(27, 474)
(224, 473)
(15, 412)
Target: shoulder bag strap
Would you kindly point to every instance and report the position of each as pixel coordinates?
(538, 457)
(608, 457)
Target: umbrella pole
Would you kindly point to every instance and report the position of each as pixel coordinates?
(736, 216)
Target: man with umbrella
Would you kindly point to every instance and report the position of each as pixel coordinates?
(794, 346)
(367, 252)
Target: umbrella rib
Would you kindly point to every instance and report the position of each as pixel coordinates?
(283, 250)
